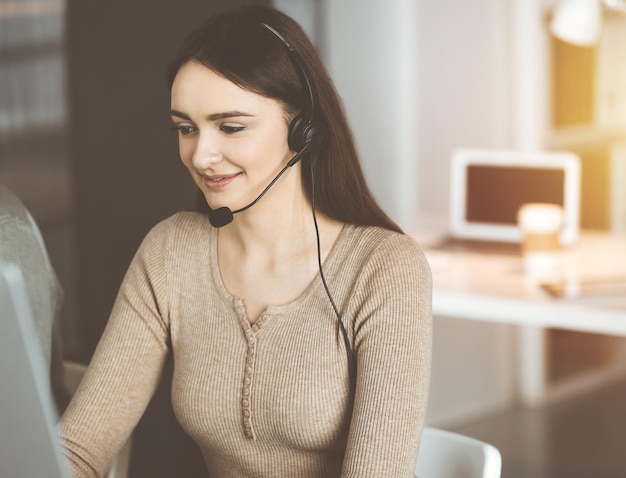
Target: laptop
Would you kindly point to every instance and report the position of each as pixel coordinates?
(487, 188)
(28, 439)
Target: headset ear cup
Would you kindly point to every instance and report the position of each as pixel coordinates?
(303, 131)
(318, 133)
(296, 135)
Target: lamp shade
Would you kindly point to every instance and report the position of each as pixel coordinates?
(577, 21)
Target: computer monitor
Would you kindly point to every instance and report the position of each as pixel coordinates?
(28, 439)
(488, 187)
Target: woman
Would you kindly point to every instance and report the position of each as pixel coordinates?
(298, 316)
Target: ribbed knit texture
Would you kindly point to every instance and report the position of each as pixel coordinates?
(274, 398)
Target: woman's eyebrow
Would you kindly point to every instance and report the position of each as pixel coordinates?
(212, 117)
(180, 115)
(227, 114)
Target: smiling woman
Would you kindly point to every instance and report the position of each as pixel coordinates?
(300, 328)
(232, 141)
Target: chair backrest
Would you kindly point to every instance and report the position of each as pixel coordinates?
(445, 454)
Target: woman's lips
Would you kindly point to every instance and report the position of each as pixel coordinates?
(218, 181)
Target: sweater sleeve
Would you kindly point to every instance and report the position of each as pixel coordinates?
(126, 367)
(392, 345)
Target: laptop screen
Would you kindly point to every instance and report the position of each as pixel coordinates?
(28, 438)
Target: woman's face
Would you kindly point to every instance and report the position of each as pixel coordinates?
(232, 141)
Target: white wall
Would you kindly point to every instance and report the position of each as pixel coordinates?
(465, 101)
(307, 13)
(465, 77)
(371, 52)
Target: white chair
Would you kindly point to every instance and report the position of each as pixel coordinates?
(445, 454)
(73, 374)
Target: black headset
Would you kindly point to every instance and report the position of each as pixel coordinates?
(305, 129)
(307, 134)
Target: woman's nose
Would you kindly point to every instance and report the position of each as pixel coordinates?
(207, 153)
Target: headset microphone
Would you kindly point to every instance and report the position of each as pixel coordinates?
(223, 216)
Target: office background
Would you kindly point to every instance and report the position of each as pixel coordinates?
(85, 138)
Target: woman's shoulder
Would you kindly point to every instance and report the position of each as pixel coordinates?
(378, 240)
(380, 252)
(178, 230)
(181, 223)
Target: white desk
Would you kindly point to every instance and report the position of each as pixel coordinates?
(494, 287)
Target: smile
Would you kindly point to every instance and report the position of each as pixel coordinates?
(218, 182)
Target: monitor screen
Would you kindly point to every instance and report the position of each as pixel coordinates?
(495, 193)
(487, 188)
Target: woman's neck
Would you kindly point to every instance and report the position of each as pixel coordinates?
(268, 255)
(270, 229)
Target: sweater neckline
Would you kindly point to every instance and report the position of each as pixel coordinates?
(276, 309)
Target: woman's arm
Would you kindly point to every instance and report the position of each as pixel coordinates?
(126, 367)
(392, 347)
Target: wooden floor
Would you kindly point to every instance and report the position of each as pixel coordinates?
(582, 437)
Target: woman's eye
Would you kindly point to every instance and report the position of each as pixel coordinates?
(231, 129)
(185, 129)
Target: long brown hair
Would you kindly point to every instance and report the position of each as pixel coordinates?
(236, 45)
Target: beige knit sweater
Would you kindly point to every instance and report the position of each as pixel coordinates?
(274, 398)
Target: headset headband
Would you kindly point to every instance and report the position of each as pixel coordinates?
(304, 77)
